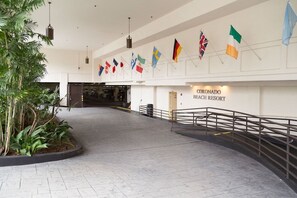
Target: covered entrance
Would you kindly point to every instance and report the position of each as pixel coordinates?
(96, 94)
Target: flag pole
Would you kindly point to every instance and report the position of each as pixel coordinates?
(169, 61)
(216, 52)
(190, 58)
(143, 66)
(252, 49)
(156, 68)
(151, 64)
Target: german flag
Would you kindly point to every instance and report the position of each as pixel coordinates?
(176, 50)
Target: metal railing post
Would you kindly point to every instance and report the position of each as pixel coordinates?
(275, 131)
(233, 126)
(288, 150)
(206, 121)
(259, 141)
(216, 122)
(246, 124)
(174, 113)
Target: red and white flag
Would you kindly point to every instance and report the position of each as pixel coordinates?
(107, 66)
(139, 68)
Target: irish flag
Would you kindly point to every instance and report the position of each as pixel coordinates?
(234, 41)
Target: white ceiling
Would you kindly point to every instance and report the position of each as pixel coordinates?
(78, 23)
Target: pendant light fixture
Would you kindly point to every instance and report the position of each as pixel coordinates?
(129, 39)
(50, 29)
(87, 58)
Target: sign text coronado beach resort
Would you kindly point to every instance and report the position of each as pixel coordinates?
(209, 94)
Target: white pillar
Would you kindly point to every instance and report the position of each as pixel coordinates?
(63, 89)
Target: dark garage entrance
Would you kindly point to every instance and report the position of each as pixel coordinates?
(96, 94)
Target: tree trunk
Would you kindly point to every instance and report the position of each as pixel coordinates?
(21, 118)
(21, 112)
(9, 126)
(1, 138)
(34, 121)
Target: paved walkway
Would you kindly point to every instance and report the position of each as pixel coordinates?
(134, 156)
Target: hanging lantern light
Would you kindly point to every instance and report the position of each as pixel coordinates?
(87, 58)
(50, 29)
(129, 38)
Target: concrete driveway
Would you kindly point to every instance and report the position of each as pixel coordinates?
(127, 155)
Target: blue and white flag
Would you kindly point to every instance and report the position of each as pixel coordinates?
(156, 57)
(133, 61)
(289, 24)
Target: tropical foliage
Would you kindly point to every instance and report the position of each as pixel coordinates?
(26, 110)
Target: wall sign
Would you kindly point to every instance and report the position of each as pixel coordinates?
(209, 94)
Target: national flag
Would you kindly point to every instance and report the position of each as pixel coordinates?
(106, 69)
(176, 50)
(202, 44)
(156, 57)
(139, 68)
(133, 61)
(140, 59)
(122, 64)
(101, 68)
(113, 69)
(115, 62)
(234, 41)
(289, 24)
(107, 66)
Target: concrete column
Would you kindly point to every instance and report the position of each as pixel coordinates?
(63, 89)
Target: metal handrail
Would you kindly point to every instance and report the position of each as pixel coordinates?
(275, 139)
(156, 113)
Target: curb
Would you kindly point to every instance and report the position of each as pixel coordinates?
(39, 158)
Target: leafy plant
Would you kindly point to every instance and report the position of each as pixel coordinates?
(28, 144)
(26, 110)
(58, 133)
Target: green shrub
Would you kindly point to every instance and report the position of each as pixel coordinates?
(44, 136)
(57, 133)
(27, 144)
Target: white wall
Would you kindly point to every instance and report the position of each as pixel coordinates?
(256, 100)
(141, 96)
(64, 66)
(281, 101)
(237, 98)
(260, 26)
(262, 29)
(67, 61)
